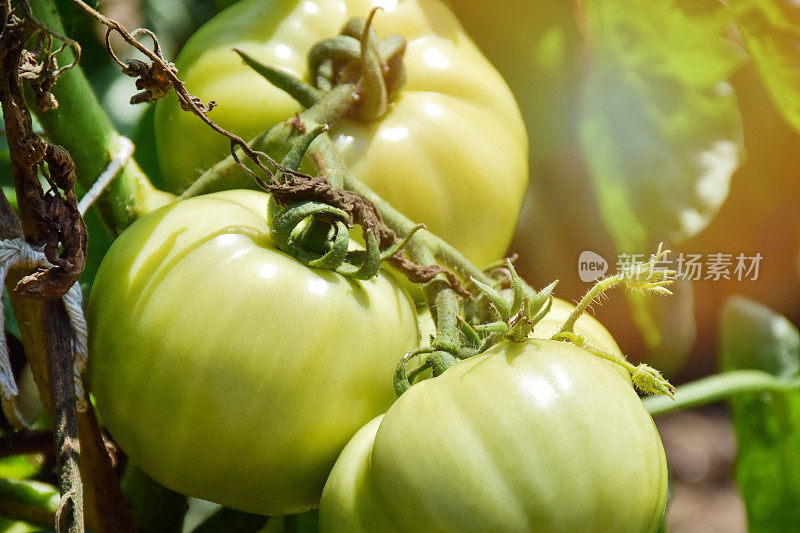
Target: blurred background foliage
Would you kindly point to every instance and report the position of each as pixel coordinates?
(667, 120)
(670, 121)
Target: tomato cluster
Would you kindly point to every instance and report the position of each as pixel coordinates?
(228, 370)
(451, 151)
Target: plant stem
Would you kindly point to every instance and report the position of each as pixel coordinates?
(26, 443)
(278, 140)
(718, 388)
(45, 326)
(81, 126)
(599, 288)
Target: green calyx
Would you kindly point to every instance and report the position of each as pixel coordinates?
(357, 56)
(509, 309)
(515, 309)
(370, 69)
(318, 234)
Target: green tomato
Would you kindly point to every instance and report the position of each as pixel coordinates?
(536, 436)
(227, 370)
(451, 152)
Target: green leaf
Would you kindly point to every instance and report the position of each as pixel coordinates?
(28, 500)
(11, 321)
(771, 33)
(154, 508)
(768, 424)
(659, 127)
(19, 466)
(539, 56)
(225, 520)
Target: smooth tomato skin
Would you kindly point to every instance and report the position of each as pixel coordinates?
(228, 371)
(535, 436)
(451, 152)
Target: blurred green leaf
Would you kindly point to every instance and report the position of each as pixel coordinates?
(18, 467)
(154, 508)
(667, 325)
(771, 32)
(27, 500)
(539, 56)
(144, 139)
(223, 4)
(71, 15)
(659, 127)
(768, 424)
(12, 526)
(11, 321)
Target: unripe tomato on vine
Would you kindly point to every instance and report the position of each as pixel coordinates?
(449, 149)
(533, 436)
(227, 370)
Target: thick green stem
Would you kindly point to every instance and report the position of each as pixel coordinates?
(718, 388)
(444, 304)
(277, 141)
(81, 126)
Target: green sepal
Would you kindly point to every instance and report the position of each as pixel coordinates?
(497, 299)
(518, 287)
(492, 327)
(286, 220)
(368, 260)
(540, 302)
(294, 156)
(471, 336)
(304, 94)
(338, 252)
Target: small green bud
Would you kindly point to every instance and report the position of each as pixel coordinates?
(650, 381)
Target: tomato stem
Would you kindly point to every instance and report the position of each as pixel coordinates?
(278, 140)
(643, 277)
(721, 387)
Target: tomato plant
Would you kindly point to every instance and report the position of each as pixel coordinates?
(539, 435)
(226, 369)
(451, 150)
(239, 341)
